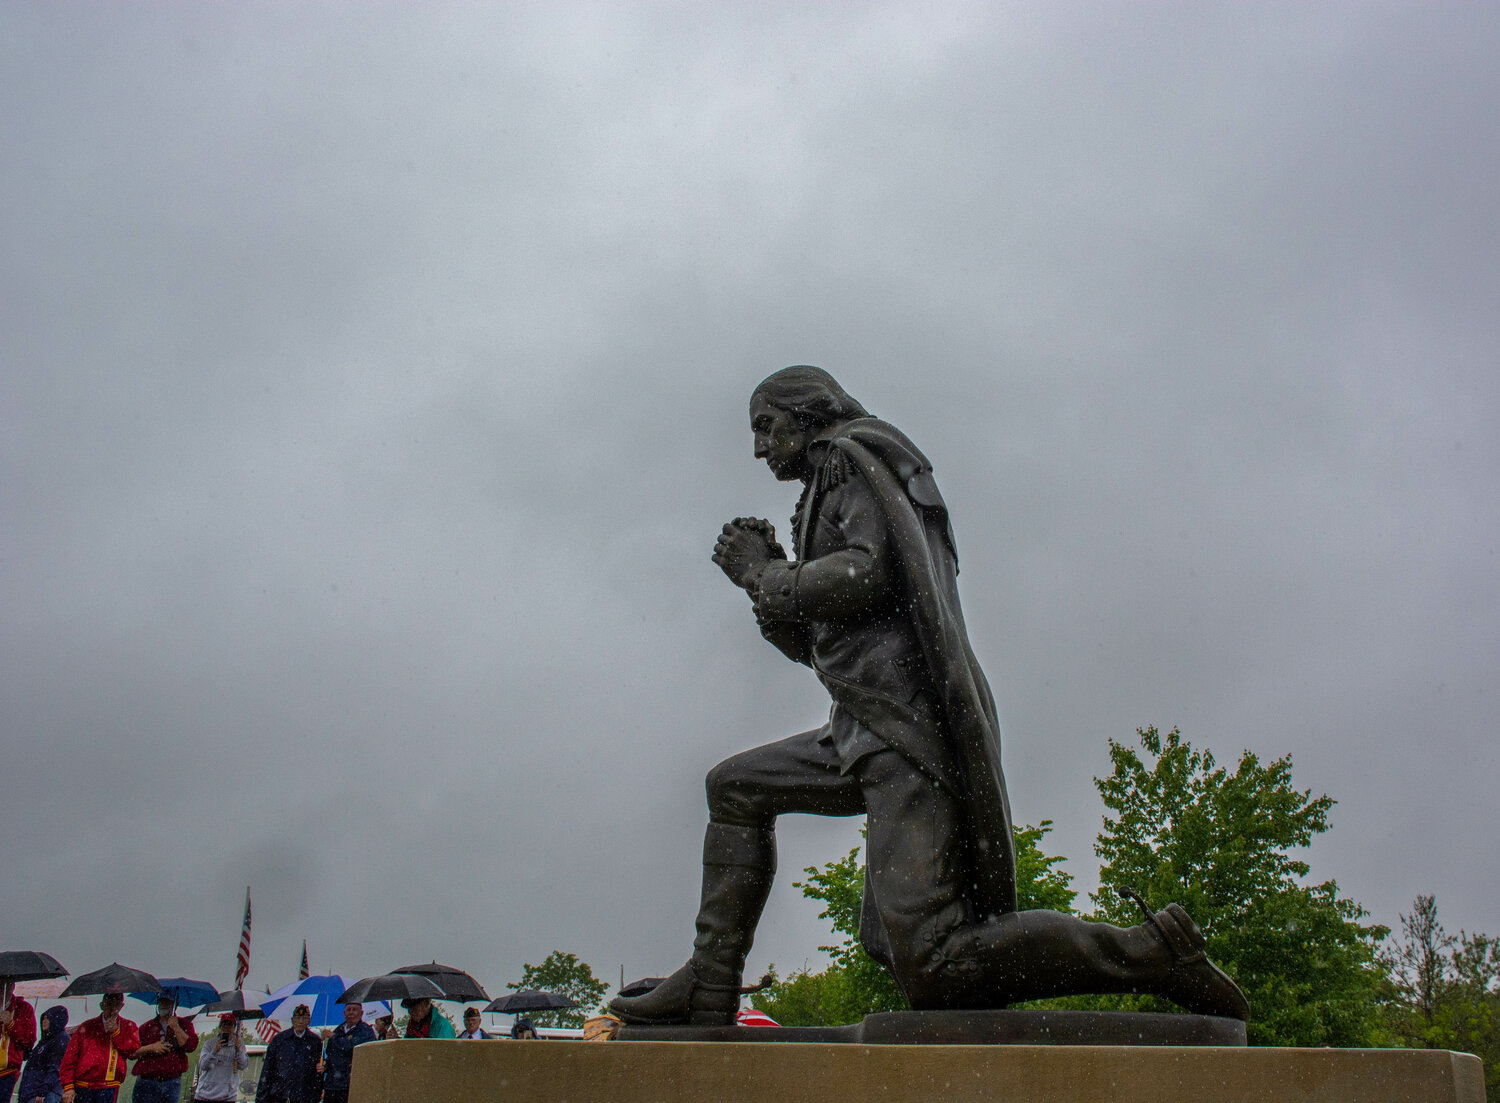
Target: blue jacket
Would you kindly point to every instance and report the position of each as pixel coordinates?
(339, 1054)
(40, 1076)
(290, 1072)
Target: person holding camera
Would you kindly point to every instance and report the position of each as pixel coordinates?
(221, 1061)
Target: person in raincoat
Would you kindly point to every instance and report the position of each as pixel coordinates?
(338, 1052)
(290, 1072)
(40, 1082)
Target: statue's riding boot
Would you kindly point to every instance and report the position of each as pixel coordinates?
(1191, 981)
(739, 864)
(1041, 954)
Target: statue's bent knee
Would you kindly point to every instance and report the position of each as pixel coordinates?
(733, 798)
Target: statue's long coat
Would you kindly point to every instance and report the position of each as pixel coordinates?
(926, 563)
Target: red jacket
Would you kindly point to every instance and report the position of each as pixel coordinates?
(165, 1066)
(19, 1036)
(95, 1059)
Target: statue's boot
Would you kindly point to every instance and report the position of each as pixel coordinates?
(1193, 982)
(1033, 955)
(739, 864)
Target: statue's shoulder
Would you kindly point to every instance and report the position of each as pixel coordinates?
(896, 452)
(887, 442)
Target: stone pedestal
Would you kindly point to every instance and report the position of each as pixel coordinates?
(760, 1072)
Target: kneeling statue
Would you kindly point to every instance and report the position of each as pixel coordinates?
(870, 603)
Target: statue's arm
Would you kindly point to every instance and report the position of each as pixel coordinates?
(745, 546)
(852, 580)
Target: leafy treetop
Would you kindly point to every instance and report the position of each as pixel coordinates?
(563, 973)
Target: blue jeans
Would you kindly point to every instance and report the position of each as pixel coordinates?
(96, 1095)
(157, 1091)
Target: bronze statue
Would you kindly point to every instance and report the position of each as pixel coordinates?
(870, 603)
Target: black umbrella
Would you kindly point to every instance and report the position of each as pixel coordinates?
(642, 986)
(235, 1003)
(457, 985)
(19, 965)
(392, 986)
(112, 978)
(529, 999)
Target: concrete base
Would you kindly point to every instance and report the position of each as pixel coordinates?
(760, 1072)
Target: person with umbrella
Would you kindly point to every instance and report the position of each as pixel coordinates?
(166, 1040)
(423, 1022)
(290, 1073)
(17, 1036)
(338, 1052)
(93, 1066)
(220, 1063)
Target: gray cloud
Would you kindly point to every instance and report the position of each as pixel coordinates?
(376, 384)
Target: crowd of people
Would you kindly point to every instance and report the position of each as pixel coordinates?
(42, 1061)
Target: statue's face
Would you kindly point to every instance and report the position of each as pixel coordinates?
(780, 439)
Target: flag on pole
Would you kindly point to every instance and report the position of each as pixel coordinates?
(267, 1029)
(242, 962)
(305, 973)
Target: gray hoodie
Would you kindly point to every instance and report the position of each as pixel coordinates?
(219, 1067)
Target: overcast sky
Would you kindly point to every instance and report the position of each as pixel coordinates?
(374, 387)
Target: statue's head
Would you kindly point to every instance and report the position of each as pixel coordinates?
(810, 393)
(789, 409)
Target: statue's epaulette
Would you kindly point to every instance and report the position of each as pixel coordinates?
(835, 470)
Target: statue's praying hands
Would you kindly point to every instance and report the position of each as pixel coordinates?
(744, 547)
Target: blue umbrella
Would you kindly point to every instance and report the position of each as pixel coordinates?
(187, 992)
(319, 993)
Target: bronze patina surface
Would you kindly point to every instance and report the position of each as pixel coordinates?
(868, 599)
(975, 1028)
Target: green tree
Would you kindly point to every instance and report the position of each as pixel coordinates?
(565, 974)
(1180, 827)
(1442, 991)
(1038, 883)
(855, 985)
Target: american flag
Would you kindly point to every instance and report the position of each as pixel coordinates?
(242, 962)
(304, 974)
(267, 1029)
